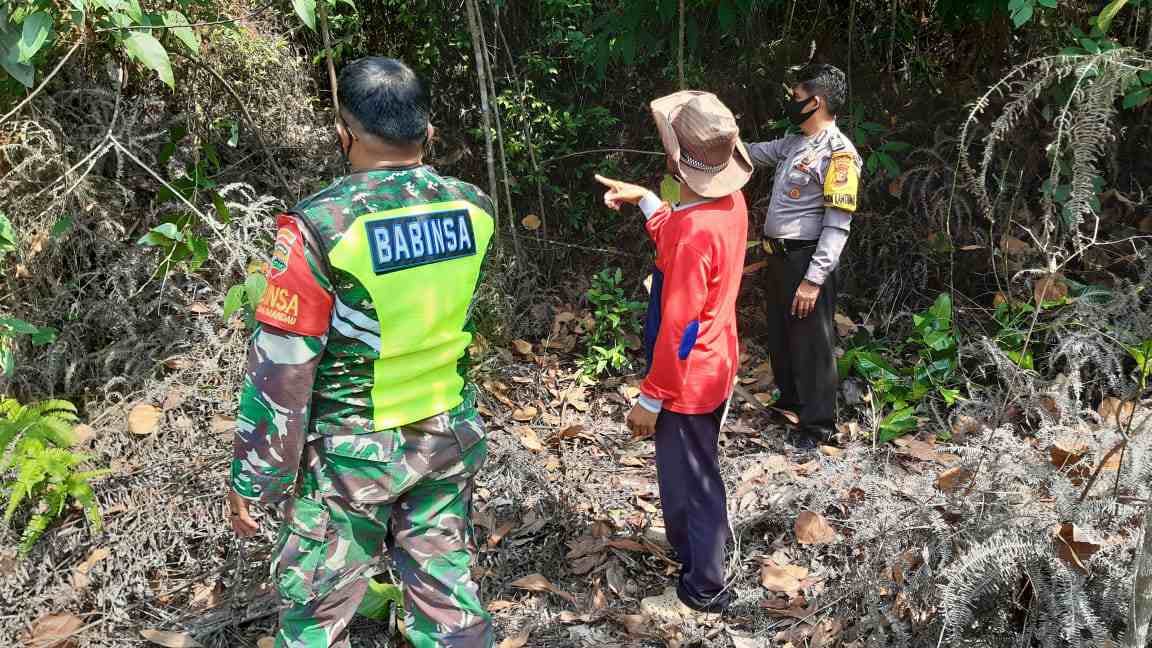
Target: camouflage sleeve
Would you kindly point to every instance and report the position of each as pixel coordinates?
(286, 349)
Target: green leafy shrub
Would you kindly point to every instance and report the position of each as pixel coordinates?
(898, 392)
(1142, 354)
(616, 325)
(35, 439)
(10, 329)
(1013, 319)
(873, 141)
(31, 30)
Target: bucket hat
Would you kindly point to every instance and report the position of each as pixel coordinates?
(702, 141)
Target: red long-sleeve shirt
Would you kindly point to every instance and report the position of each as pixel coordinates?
(700, 261)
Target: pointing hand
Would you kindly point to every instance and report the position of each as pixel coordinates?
(620, 192)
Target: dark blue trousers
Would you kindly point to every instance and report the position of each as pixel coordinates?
(695, 506)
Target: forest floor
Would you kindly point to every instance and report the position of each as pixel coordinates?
(567, 514)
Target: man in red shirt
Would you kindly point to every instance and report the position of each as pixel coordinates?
(690, 336)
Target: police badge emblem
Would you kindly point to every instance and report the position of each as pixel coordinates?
(841, 170)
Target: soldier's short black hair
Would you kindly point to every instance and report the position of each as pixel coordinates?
(825, 80)
(387, 98)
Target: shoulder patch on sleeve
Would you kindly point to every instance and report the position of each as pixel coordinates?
(295, 300)
(841, 182)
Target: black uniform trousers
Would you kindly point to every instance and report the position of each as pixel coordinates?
(803, 361)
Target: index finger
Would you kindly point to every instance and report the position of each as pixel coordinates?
(608, 182)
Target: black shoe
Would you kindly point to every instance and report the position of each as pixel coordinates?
(801, 440)
(823, 435)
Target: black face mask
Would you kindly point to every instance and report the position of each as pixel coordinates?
(796, 113)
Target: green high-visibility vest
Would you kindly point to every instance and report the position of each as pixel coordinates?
(420, 265)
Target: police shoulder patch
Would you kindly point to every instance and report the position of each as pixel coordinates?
(294, 300)
(841, 182)
(403, 242)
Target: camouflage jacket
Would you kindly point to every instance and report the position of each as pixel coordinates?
(310, 362)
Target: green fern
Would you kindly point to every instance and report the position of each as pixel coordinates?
(35, 439)
(50, 420)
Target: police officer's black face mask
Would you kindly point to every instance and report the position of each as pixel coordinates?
(796, 113)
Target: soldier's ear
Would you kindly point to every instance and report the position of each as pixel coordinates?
(343, 129)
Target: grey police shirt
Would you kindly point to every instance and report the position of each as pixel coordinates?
(797, 210)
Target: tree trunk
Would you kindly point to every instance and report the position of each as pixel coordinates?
(485, 108)
(1148, 41)
(499, 131)
(1141, 612)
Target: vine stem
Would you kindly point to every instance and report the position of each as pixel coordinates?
(43, 84)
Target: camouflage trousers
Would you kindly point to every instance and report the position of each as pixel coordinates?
(413, 484)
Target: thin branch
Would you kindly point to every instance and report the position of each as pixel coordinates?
(216, 226)
(499, 131)
(545, 163)
(247, 117)
(1096, 473)
(43, 84)
(95, 154)
(224, 21)
(528, 137)
(322, 7)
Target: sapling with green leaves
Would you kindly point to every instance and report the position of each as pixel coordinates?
(616, 322)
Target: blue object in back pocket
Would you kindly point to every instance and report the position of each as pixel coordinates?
(652, 317)
(689, 339)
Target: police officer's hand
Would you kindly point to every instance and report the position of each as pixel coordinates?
(620, 192)
(240, 514)
(641, 422)
(805, 299)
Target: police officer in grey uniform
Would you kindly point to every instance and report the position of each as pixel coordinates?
(813, 199)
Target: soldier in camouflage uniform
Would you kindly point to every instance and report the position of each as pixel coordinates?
(355, 412)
